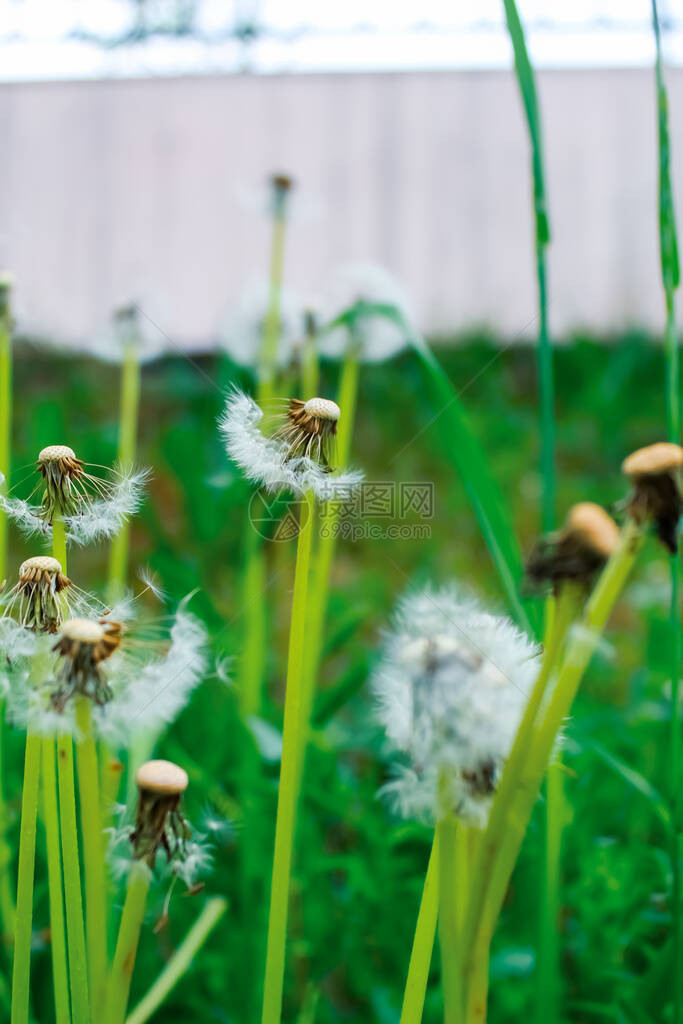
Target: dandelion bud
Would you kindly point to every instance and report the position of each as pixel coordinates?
(159, 822)
(83, 645)
(656, 497)
(60, 469)
(39, 605)
(577, 551)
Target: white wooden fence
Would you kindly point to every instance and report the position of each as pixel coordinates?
(112, 190)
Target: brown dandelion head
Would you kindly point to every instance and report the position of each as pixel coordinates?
(40, 597)
(61, 472)
(310, 429)
(83, 645)
(159, 822)
(653, 472)
(577, 551)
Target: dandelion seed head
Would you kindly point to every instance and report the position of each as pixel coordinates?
(377, 337)
(284, 461)
(83, 645)
(40, 597)
(451, 689)
(243, 328)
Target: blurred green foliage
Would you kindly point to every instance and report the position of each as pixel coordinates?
(358, 871)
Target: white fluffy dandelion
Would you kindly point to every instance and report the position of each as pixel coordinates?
(452, 687)
(377, 336)
(94, 508)
(295, 457)
(244, 325)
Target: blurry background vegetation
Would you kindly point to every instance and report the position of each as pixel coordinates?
(359, 871)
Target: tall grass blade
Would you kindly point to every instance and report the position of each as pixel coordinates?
(668, 250)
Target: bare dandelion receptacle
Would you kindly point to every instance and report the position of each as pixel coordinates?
(83, 645)
(39, 599)
(60, 470)
(159, 823)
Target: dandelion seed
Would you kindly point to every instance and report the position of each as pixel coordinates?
(295, 457)
(452, 686)
(377, 337)
(653, 472)
(150, 694)
(577, 551)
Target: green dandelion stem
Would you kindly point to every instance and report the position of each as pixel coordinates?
(423, 942)
(21, 967)
(78, 963)
(285, 825)
(59, 543)
(327, 542)
(128, 429)
(180, 961)
(271, 331)
(449, 936)
(310, 370)
(118, 987)
(60, 972)
(93, 855)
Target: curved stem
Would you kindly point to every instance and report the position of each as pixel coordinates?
(423, 942)
(285, 824)
(21, 968)
(559, 615)
(60, 972)
(132, 917)
(579, 651)
(93, 856)
(180, 961)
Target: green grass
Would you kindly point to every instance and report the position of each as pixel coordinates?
(358, 873)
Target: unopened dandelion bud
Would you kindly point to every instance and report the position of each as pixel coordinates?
(576, 552)
(653, 472)
(60, 470)
(160, 823)
(40, 594)
(83, 645)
